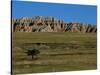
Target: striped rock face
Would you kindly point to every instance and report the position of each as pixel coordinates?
(49, 24)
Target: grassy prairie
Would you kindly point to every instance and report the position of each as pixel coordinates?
(46, 37)
(79, 55)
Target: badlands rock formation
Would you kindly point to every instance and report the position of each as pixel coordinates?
(49, 24)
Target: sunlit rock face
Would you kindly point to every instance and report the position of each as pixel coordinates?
(49, 24)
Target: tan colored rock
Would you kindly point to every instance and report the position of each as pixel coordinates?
(48, 24)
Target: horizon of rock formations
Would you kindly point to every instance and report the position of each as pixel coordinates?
(49, 24)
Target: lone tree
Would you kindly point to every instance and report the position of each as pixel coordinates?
(33, 53)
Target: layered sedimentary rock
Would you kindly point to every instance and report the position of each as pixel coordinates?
(49, 24)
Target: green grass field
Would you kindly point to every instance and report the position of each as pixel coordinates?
(81, 53)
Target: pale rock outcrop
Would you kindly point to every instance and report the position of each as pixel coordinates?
(49, 24)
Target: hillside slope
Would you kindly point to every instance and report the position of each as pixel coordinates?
(49, 24)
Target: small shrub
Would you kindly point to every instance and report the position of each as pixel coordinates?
(33, 53)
